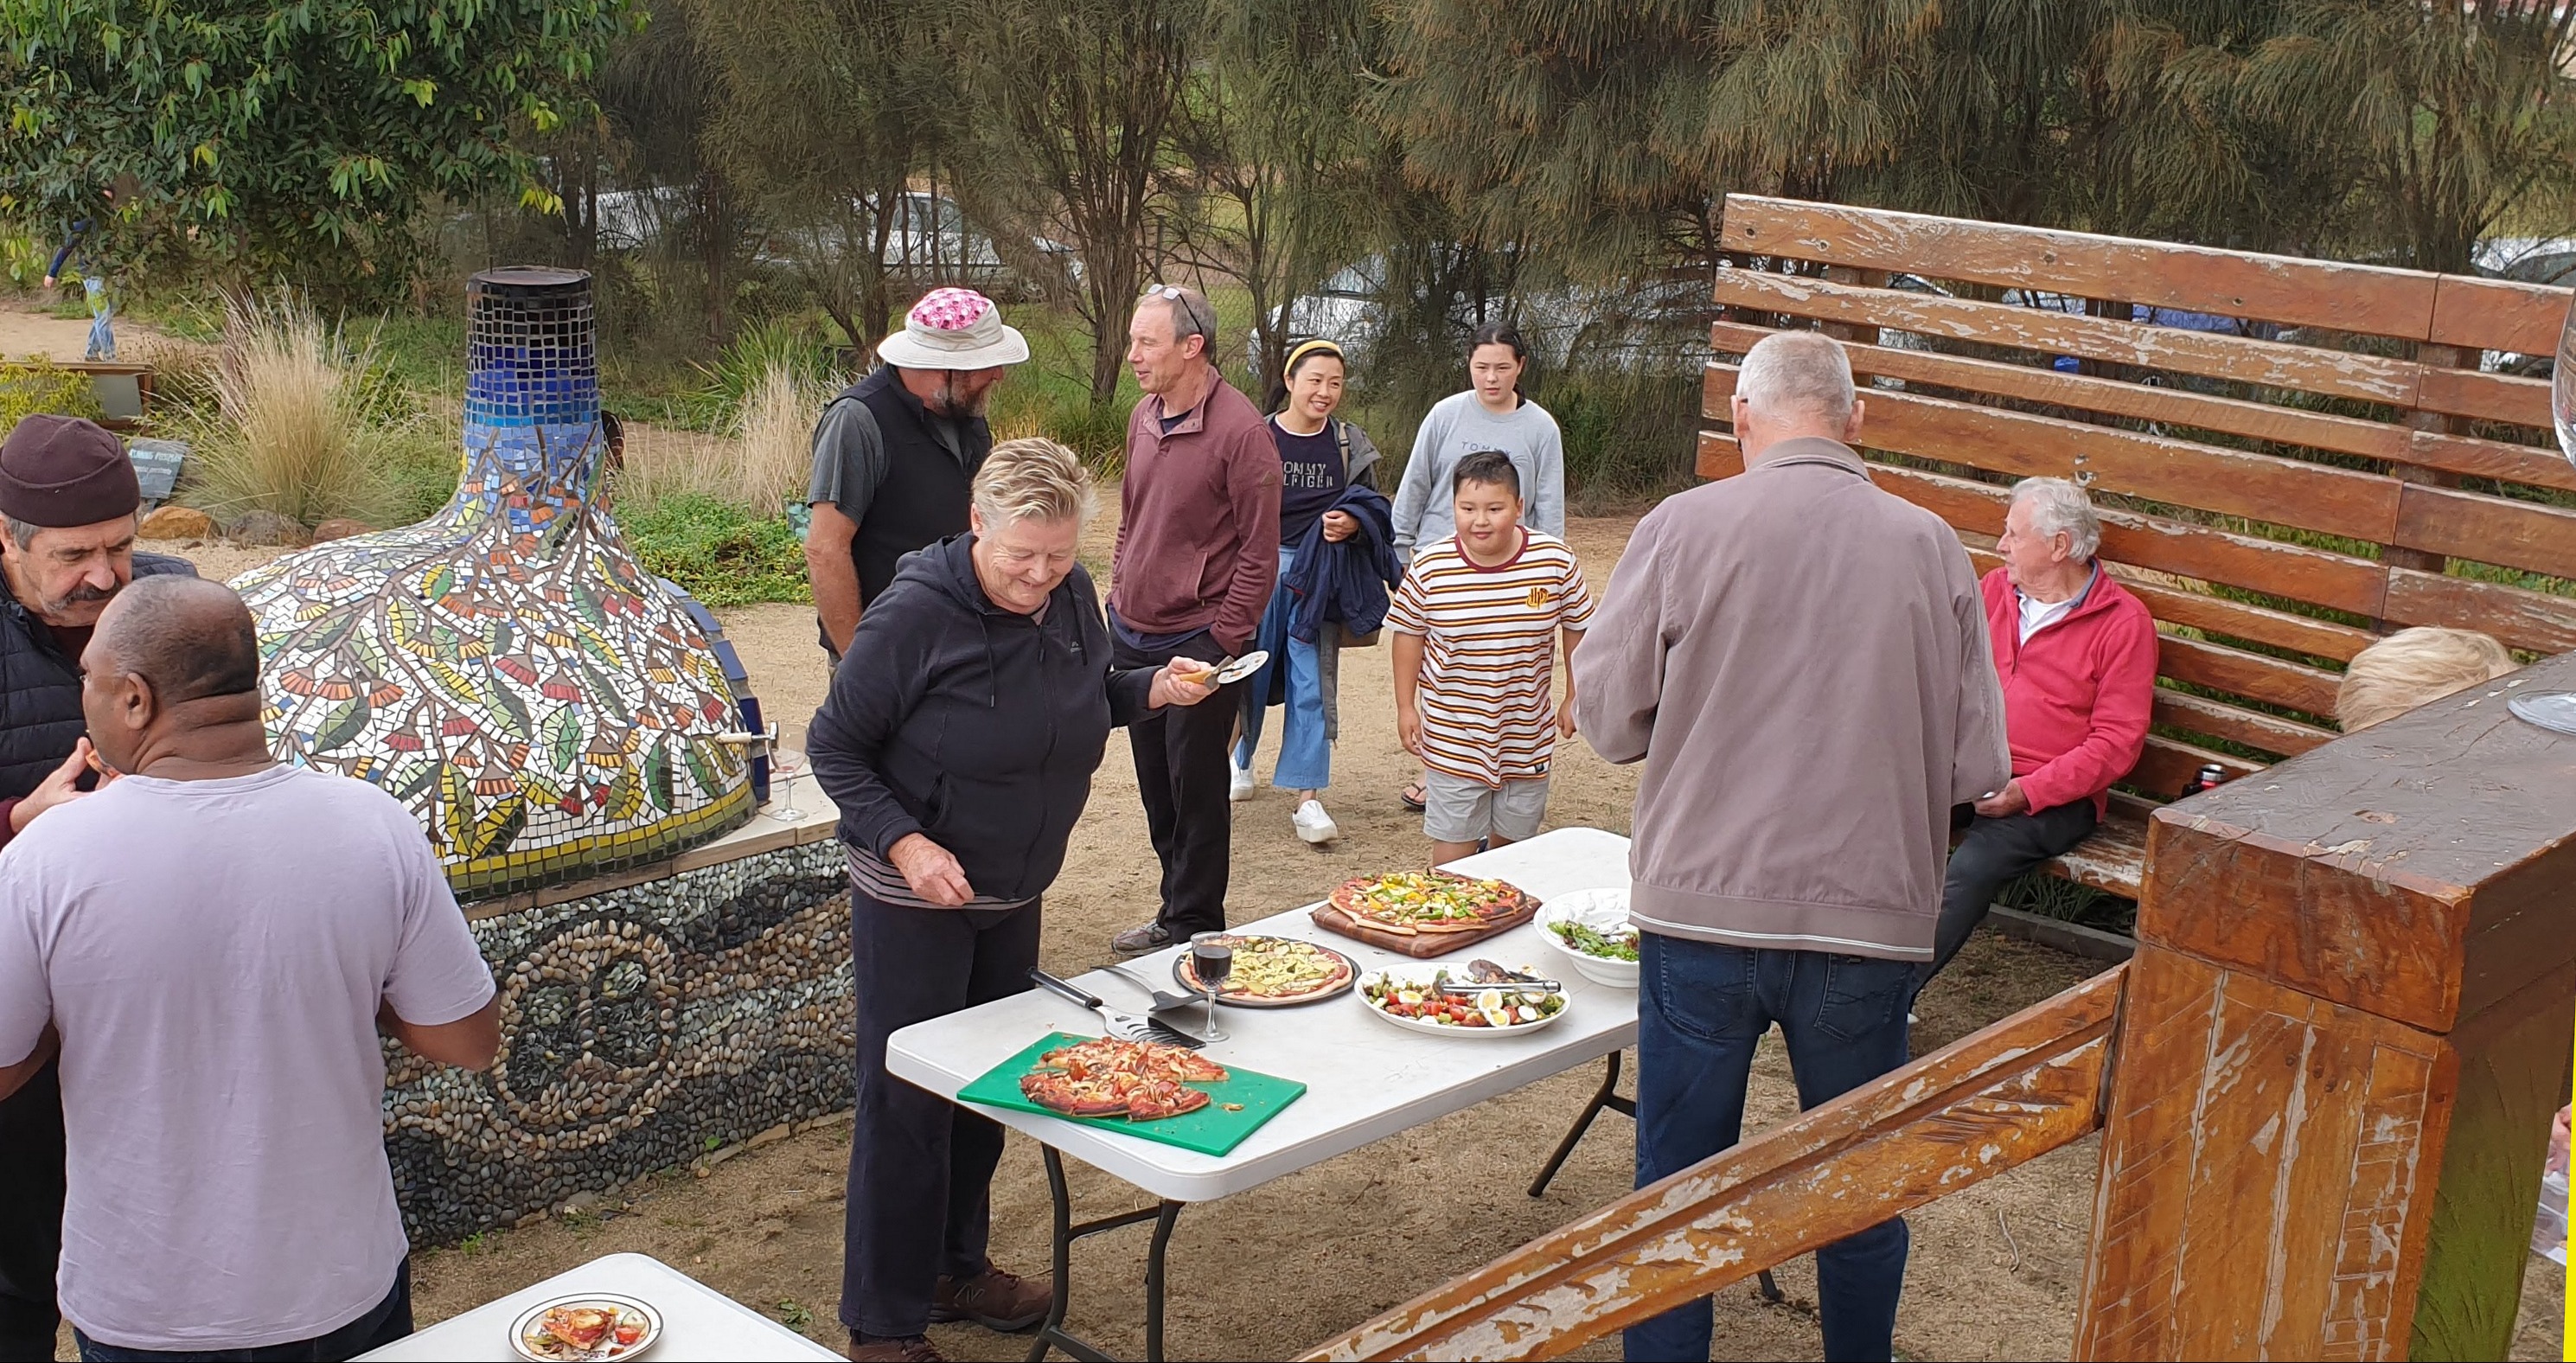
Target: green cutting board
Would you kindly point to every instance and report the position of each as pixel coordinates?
(1211, 1130)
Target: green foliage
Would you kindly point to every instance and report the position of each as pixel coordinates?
(306, 129)
(716, 403)
(38, 385)
(723, 554)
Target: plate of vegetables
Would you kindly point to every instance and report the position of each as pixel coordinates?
(1455, 1001)
(1591, 928)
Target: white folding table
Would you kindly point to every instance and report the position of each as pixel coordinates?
(699, 1324)
(1365, 1079)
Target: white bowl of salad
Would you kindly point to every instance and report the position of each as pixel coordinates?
(1591, 928)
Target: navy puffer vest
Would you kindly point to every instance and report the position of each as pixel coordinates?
(40, 700)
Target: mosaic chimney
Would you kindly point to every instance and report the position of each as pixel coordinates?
(547, 708)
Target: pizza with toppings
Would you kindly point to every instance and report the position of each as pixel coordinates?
(1415, 902)
(1138, 1080)
(1274, 970)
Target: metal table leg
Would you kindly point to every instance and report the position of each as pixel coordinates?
(1052, 1334)
(1607, 1096)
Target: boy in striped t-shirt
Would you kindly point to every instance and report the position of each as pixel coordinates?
(1475, 628)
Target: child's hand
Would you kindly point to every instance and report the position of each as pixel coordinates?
(1408, 730)
(1565, 718)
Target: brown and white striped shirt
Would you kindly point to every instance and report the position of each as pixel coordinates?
(1489, 654)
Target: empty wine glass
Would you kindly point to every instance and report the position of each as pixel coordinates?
(786, 766)
(2557, 709)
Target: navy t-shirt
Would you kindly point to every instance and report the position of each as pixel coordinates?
(1311, 478)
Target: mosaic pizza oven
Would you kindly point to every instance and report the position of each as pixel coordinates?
(505, 668)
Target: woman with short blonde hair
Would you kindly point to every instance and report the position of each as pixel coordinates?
(959, 740)
(2412, 667)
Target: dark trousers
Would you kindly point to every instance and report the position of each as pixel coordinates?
(387, 1321)
(31, 1214)
(1701, 1008)
(921, 1167)
(1993, 853)
(1181, 756)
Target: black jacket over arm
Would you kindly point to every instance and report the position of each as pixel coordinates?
(974, 725)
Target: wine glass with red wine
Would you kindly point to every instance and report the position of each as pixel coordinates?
(1211, 960)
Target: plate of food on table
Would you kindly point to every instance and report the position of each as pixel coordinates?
(1142, 1081)
(1479, 998)
(595, 1326)
(1591, 928)
(1273, 972)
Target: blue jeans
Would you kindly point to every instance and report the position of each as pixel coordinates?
(387, 1321)
(102, 319)
(1305, 758)
(1701, 1008)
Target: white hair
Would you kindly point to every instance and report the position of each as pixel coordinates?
(1800, 372)
(2059, 507)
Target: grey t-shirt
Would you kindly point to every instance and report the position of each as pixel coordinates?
(213, 954)
(850, 455)
(1457, 426)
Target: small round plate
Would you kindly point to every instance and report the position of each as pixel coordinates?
(1241, 667)
(1189, 981)
(628, 1309)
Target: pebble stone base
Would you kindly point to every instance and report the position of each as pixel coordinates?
(641, 1028)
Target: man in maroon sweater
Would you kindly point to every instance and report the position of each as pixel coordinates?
(1198, 552)
(2077, 656)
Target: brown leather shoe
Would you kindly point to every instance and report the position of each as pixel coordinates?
(916, 1349)
(994, 1299)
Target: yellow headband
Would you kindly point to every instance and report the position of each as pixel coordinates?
(1306, 348)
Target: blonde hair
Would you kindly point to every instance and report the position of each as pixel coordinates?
(2412, 667)
(1033, 478)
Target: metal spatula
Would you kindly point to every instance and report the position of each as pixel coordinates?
(1124, 1026)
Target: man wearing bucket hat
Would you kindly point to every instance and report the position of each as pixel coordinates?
(895, 453)
(68, 500)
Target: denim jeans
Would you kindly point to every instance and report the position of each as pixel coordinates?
(1305, 758)
(385, 1322)
(1701, 1008)
(102, 321)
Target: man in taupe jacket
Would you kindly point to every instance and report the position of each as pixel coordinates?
(1801, 661)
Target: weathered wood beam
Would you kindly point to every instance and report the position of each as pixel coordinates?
(2019, 1089)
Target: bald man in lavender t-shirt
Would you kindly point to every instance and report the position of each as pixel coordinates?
(213, 941)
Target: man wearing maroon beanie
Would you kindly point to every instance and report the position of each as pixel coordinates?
(68, 501)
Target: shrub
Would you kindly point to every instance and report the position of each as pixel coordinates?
(37, 385)
(291, 426)
(723, 554)
(717, 403)
(760, 468)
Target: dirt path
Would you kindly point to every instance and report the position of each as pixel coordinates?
(1995, 1269)
(28, 327)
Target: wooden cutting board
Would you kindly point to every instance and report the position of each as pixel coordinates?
(1420, 946)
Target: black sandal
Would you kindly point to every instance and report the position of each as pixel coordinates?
(1414, 796)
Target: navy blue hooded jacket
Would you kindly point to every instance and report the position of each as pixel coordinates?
(974, 725)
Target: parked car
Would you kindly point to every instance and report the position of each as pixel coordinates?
(1626, 327)
(931, 241)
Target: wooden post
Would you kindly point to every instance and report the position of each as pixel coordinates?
(2346, 1027)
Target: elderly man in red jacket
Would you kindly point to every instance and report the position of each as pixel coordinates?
(2077, 656)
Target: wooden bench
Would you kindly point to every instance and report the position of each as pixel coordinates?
(2291, 457)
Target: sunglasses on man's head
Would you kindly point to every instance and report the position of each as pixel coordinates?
(1177, 294)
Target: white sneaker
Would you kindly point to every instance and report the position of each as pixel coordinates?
(1313, 824)
(1239, 787)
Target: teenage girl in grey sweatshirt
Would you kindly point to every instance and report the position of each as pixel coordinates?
(1492, 415)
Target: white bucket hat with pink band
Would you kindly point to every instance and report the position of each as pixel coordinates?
(953, 329)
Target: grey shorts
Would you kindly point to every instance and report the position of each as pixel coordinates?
(1455, 809)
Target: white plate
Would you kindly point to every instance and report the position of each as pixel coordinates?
(1422, 975)
(1241, 667)
(627, 1306)
(1599, 910)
